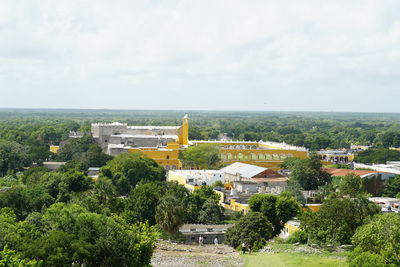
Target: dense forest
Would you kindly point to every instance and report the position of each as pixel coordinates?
(66, 218)
(313, 130)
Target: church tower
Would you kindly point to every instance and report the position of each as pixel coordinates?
(184, 131)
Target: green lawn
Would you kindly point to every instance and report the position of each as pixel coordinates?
(284, 259)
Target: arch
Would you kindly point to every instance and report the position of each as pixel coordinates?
(247, 147)
(261, 156)
(346, 159)
(253, 156)
(341, 159)
(167, 167)
(246, 157)
(240, 156)
(289, 155)
(229, 156)
(275, 156)
(282, 156)
(268, 156)
(222, 156)
(174, 167)
(253, 147)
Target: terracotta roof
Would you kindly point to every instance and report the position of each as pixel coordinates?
(263, 180)
(343, 172)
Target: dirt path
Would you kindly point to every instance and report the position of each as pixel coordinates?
(178, 255)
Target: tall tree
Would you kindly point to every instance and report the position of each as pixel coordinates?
(201, 157)
(127, 169)
(170, 214)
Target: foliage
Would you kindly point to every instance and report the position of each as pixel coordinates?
(381, 156)
(73, 235)
(277, 209)
(211, 212)
(307, 172)
(377, 242)
(298, 236)
(392, 187)
(337, 220)
(200, 157)
(170, 214)
(128, 169)
(10, 258)
(254, 229)
(351, 185)
(196, 207)
(13, 157)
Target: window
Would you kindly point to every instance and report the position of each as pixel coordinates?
(167, 157)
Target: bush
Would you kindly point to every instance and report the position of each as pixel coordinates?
(297, 237)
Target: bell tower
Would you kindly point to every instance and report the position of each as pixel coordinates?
(184, 131)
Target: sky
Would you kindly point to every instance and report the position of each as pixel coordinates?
(316, 55)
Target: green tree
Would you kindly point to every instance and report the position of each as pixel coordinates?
(277, 209)
(196, 201)
(170, 214)
(254, 229)
(351, 185)
(392, 187)
(308, 172)
(127, 169)
(337, 220)
(380, 156)
(377, 242)
(200, 157)
(13, 157)
(211, 213)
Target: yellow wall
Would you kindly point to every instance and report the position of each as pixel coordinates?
(235, 206)
(54, 149)
(163, 157)
(312, 207)
(291, 228)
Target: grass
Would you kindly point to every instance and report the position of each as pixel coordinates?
(285, 259)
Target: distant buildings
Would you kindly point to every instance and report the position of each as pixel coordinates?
(240, 180)
(163, 143)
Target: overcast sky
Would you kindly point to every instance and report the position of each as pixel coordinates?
(319, 55)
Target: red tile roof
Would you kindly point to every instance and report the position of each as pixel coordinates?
(343, 172)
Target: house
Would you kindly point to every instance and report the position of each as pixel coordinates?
(209, 232)
(53, 165)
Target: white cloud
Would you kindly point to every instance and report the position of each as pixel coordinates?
(263, 55)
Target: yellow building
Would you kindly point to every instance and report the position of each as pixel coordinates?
(163, 143)
(263, 154)
(54, 149)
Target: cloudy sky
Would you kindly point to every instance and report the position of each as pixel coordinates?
(319, 55)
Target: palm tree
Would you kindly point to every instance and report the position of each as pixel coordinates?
(170, 214)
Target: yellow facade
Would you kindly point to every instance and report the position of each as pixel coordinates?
(236, 206)
(54, 149)
(260, 154)
(290, 228)
(165, 157)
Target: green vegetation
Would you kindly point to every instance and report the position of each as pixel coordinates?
(306, 173)
(378, 156)
(200, 157)
(268, 215)
(337, 220)
(293, 260)
(64, 217)
(378, 242)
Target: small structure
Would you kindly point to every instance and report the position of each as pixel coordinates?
(289, 228)
(93, 172)
(208, 232)
(387, 204)
(238, 171)
(53, 165)
(195, 177)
